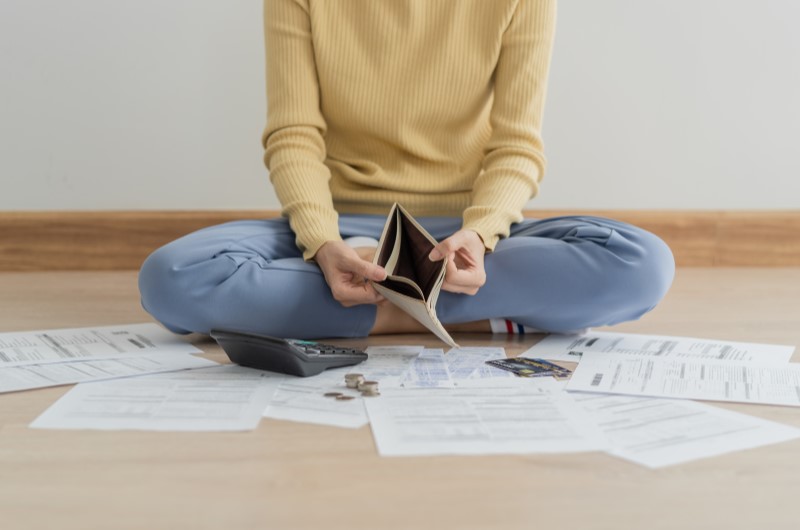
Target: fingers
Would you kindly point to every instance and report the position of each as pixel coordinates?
(464, 281)
(350, 294)
(454, 282)
(346, 274)
(367, 270)
(448, 246)
(352, 262)
(464, 271)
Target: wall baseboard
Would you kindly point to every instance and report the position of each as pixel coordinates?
(121, 240)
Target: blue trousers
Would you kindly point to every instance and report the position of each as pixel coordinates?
(555, 275)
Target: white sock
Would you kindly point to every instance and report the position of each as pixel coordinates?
(361, 241)
(503, 325)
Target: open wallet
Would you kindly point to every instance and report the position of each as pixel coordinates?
(413, 281)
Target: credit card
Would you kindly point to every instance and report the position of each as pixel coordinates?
(524, 367)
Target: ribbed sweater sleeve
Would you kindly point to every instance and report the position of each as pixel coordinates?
(514, 162)
(293, 139)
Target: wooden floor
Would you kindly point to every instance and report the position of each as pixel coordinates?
(288, 475)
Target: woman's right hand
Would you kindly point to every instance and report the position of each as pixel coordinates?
(347, 273)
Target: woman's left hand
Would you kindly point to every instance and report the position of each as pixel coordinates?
(465, 273)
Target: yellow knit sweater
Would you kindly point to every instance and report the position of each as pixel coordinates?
(435, 104)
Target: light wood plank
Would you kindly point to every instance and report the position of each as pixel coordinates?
(754, 238)
(118, 240)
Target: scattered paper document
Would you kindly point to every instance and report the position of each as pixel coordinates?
(15, 378)
(389, 365)
(687, 379)
(469, 363)
(571, 347)
(73, 344)
(522, 416)
(428, 370)
(221, 398)
(304, 399)
(657, 432)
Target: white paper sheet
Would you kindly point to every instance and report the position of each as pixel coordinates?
(428, 370)
(522, 416)
(470, 364)
(15, 378)
(657, 432)
(389, 365)
(59, 345)
(303, 399)
(570, 348)
(221, 398)
(687, 379)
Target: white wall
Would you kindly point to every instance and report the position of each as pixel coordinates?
(159, 104)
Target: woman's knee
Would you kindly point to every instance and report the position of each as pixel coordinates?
(171, 285)
(627, 271)
(158, 287)
(647, 274)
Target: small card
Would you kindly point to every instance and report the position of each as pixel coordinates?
(530, 367)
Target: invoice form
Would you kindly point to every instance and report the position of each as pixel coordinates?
(15, 378)
(656, 432)
(571, 347)
(687, 379)
(494, 417)
(220, 398)
(73, 344)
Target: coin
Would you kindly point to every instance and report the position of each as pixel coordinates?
(353, 380)
(342, 397)
(368, 385)
(332, 394)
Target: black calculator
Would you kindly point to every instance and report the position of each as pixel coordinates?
(287, 356)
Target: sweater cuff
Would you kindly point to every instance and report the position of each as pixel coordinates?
(313, 227)
(488, 233)
(498, 201)
(315, 241)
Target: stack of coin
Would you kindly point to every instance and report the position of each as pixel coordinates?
(368, 388)
(353, 380)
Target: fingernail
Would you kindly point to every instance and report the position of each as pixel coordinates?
(435, 255)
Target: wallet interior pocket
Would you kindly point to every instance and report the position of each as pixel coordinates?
(416, 247)
(402, 288)
(412, 260)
